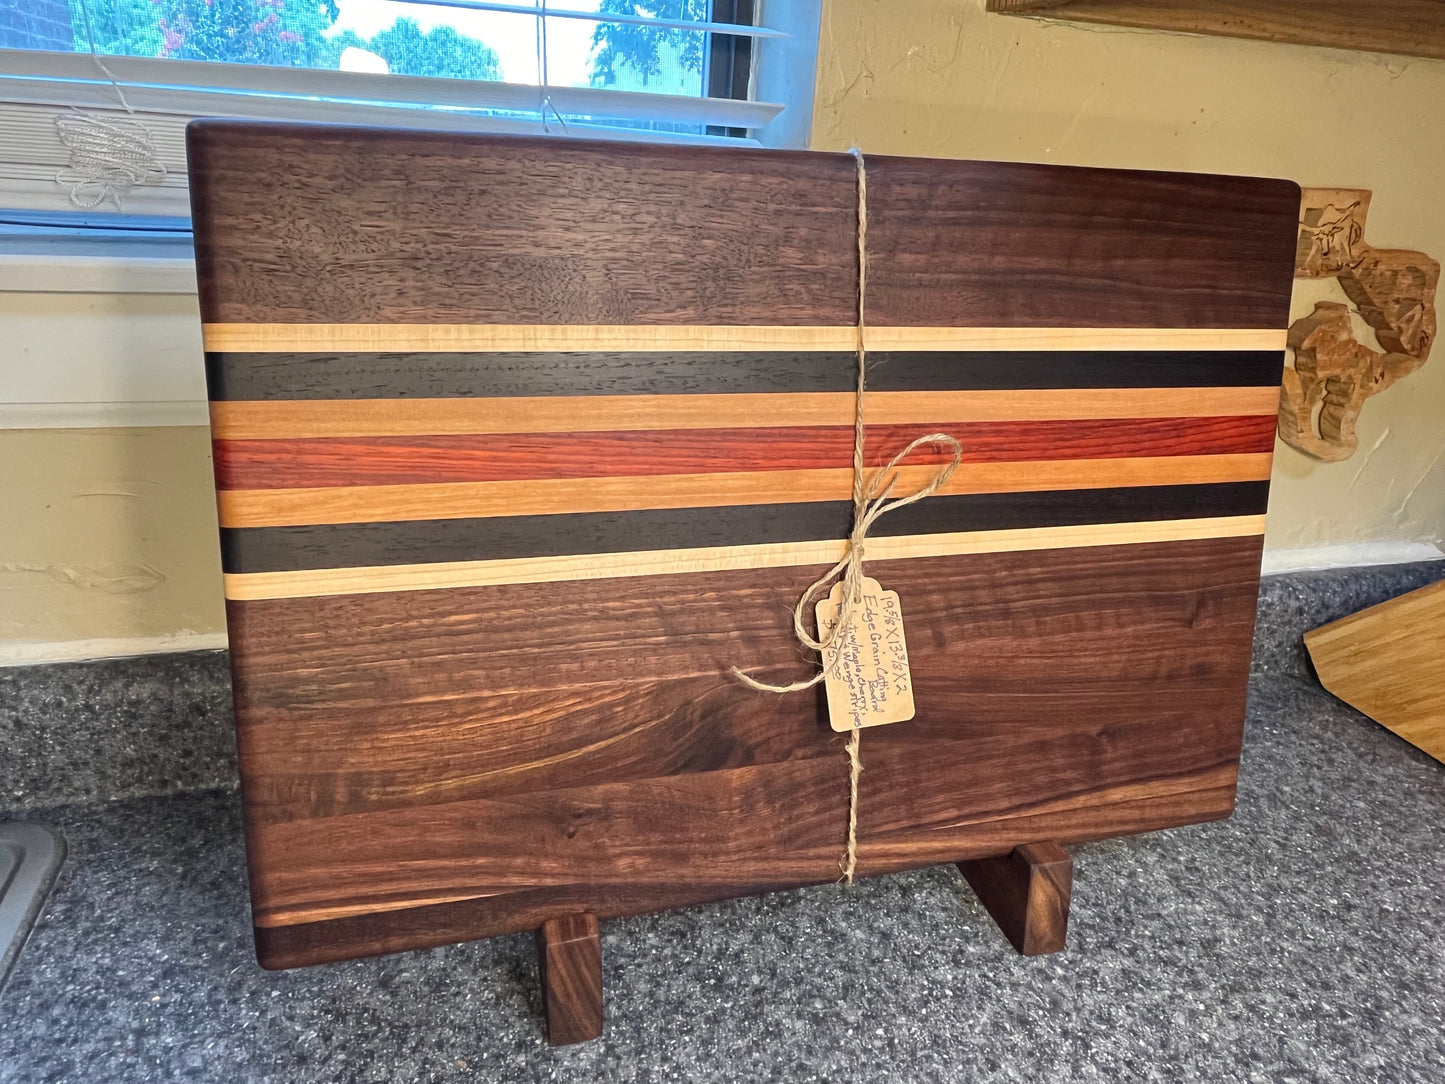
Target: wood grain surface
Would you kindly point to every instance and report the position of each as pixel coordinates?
(279, 420)
(663, 338)
(432, 228)
(569, 963)
(389, 461)
(548, 496)
(499, 374)
(1388, 661)
(1028, 892)
(521, 445)
(568, 534)
(1410, 27)
(1096, 248)
(353, 705)
(414, 227)
(439, 575)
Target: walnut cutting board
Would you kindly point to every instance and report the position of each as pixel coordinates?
(521, 444)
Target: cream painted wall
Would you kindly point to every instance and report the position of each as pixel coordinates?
(108, 538)
(107, 535)
(944, 78)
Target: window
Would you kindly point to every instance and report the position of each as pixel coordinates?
(95, 94)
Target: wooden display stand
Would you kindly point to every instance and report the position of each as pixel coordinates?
(522, 445)
(1027, 892)
(569, 964)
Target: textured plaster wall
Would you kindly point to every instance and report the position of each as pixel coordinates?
(945, 78)
(107, 534)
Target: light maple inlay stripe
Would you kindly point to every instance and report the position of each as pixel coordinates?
(275, 338)
(1072, 338)
(266, 338)
(455, 500)
(294, 418)
(290, 916)
(379, 579)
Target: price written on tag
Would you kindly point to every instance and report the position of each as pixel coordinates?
(866, 670)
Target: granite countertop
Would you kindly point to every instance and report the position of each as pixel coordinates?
(1298, 941)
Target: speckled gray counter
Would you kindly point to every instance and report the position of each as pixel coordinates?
(119, 728)
(1292, 604)
(1299, 941)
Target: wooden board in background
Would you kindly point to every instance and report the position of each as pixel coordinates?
(1409, 27)
(522, 444)
(1389, 662)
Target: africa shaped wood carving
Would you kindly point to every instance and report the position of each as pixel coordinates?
(1392, 290)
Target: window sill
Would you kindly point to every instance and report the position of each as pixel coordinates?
(104, 341)
(57, 273)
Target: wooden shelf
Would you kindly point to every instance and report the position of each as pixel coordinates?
(1408, 27)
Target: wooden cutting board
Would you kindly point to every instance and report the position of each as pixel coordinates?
(1389, 662)
(522, 444)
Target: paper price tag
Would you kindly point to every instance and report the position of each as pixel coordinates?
(866, 671)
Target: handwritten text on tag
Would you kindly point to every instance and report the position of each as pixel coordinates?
(866, 670)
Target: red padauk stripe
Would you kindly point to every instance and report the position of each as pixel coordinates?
(322, 462)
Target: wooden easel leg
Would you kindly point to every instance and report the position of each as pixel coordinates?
(569, 957)
(1027, 892)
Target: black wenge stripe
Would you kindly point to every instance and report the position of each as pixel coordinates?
(233, 376)
(356, 545)
(1003, 370)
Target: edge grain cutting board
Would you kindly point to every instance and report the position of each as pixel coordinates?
(520, 444)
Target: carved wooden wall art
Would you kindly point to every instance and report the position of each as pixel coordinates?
(1393, 290)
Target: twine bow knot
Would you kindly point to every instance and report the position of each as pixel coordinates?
(869, 505)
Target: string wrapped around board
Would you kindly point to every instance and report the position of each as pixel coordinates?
(872, 499)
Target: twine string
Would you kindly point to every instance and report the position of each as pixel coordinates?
(95, 57)
(544, 99)
(108, 155)
(871, 501)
